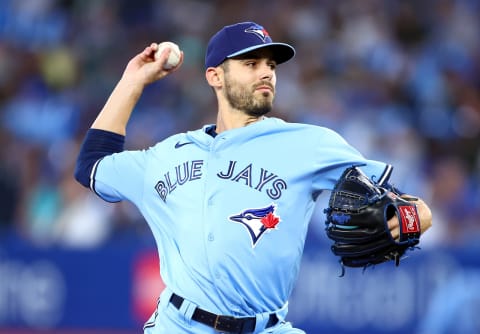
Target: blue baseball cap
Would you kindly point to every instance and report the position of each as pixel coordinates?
(240, 38)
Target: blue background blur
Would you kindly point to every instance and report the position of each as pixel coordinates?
(398, 79)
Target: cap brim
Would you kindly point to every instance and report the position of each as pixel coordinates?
(282, 52)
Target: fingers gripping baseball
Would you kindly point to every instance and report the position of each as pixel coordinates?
(150, 66)
(173, 55)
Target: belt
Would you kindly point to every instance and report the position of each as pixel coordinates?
(223, 323)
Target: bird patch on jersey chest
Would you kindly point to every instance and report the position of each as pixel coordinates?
(257, 221)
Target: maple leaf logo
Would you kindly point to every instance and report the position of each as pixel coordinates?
(270, 220)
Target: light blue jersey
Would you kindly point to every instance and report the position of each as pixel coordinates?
(230, 214)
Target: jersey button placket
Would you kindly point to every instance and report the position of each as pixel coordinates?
(210, 203)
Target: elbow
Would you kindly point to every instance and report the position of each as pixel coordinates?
(82, 172)
(96, 145)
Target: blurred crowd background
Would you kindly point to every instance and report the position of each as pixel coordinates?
(399, 79)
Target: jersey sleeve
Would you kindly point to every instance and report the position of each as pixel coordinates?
(334, 154)
(120, 176)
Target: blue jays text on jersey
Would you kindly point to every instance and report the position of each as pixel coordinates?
(192, 170)
(230, 213)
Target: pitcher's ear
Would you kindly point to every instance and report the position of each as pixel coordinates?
(214, 76)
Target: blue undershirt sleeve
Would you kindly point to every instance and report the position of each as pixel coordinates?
(96, 145)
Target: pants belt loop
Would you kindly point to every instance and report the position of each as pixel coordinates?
(165, 296)
(261, 322)
(187, 309)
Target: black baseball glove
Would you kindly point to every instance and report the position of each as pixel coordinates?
(356, 220)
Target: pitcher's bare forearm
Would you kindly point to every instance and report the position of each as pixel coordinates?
(118, 108)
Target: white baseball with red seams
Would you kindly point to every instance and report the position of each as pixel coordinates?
(173, 58)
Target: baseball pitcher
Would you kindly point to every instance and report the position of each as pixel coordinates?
(229, 204)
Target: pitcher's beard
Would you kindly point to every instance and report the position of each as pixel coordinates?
(243, 100)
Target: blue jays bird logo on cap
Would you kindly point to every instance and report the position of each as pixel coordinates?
(240, 38)
(258, 31)
(257, 221)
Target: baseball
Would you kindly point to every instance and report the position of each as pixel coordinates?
(173, 58)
